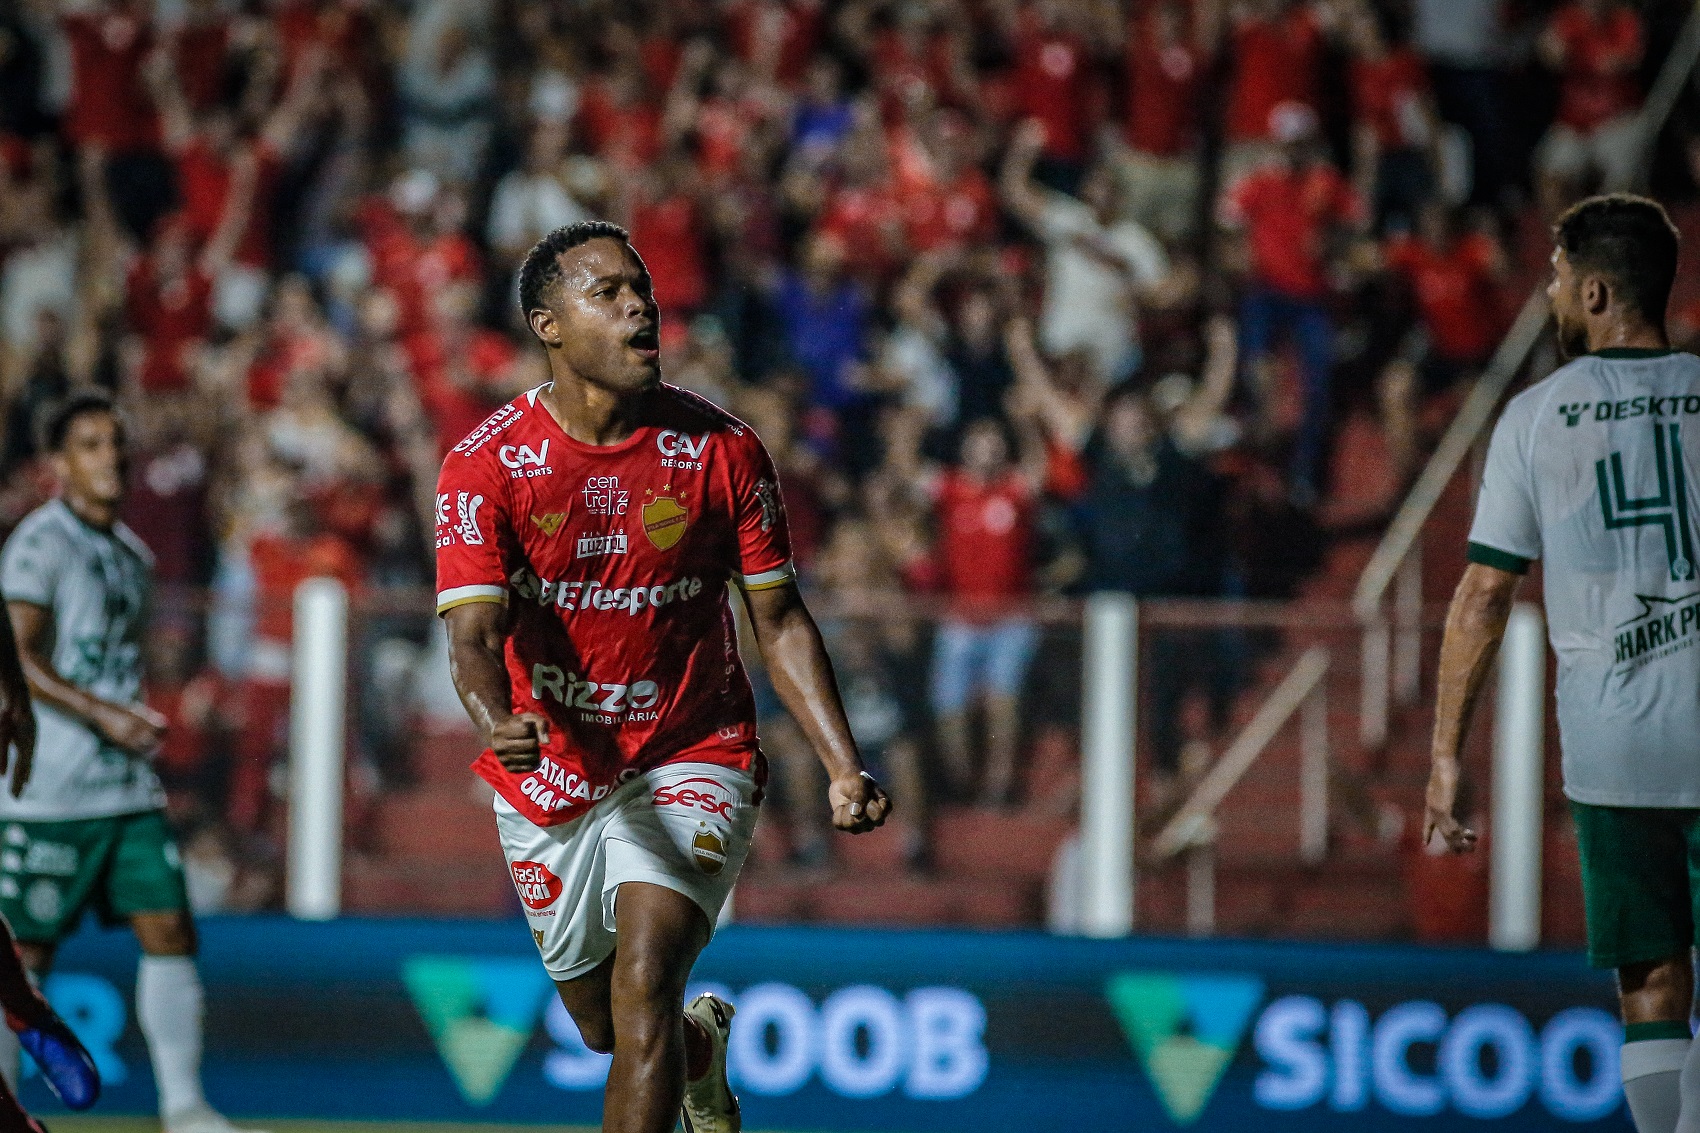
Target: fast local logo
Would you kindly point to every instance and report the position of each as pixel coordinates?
(1415, 1059)
(538, 887)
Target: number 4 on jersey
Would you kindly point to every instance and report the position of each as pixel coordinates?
(1666, 509)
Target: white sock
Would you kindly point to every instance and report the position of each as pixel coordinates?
(11, 1054)
(169, 1005)
(1690, 1082)
(1652, 1069)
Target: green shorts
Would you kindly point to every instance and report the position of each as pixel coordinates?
(51, 872)
(1640, 881)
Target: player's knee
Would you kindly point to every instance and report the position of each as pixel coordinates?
(597, 1033)
(165, 934)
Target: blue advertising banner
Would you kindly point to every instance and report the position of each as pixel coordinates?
(860, 1030)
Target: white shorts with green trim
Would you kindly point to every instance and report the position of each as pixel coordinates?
(684, 826)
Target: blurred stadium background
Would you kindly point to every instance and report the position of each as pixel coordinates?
(1238, 285)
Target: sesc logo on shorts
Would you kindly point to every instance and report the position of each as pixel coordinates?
(538, 887)
(700, 793)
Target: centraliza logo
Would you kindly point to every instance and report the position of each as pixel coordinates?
(592, 595)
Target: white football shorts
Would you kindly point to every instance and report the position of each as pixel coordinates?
(684, 826)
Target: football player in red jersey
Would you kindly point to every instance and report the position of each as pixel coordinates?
(587, 535)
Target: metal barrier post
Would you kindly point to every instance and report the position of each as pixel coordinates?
(1201, 887)
(1408, 616)
(1313, 776)
(1375, 678)
(1514, 887)
(1109, 669)
(318, 687)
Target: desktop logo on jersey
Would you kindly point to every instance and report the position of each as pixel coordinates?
(1185, 1029)
(1666, 508)
(665, 518)
(480, 1012)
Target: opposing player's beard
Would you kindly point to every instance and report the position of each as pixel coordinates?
(1572, 337)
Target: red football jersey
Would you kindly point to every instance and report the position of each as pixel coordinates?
(614, 561)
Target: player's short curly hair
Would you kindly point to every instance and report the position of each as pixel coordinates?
(1628, 239)
(53, 423)
(542, 267)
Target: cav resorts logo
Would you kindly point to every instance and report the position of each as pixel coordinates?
(1187, 1028)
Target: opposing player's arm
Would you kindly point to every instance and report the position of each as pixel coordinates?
(136, 728)
(1475, 625)
(17, 719)
(477, 662)
(802, 675)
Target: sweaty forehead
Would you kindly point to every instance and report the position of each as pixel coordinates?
(601, 258)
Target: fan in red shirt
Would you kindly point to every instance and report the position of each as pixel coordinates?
(1052, 85)
(463, 371)
(280, 563)
(1291, 214)
(110, 106)
(587, 537)
(168, 304)
(1393, 119)
(218, 169)
(1167, 55)
(1277, 50)
(986, 536)
(948, 201)
(200, 47)
(416, 245)
(1596, 46)
(666, 224)
(1457, 284)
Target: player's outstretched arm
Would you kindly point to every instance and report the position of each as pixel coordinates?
(136, 728)
(17, 719)
(477, 638)
(802, 676)
(1475, 625)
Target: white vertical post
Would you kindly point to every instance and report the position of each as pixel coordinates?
(1408, 614)
(317, 691)
(1313, 776)
(1374, 678)
(1519, 757)
(1109, 668)
(1201, 885)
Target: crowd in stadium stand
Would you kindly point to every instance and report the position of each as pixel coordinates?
(1027, 297)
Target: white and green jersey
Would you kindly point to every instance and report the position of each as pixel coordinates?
(96, 586)
(1594, 471)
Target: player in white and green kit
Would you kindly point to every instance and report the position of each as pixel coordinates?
(89, 831)
(1596, 472)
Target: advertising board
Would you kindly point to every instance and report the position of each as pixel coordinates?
(916, 1031)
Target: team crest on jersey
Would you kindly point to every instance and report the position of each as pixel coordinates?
(665, 520)
(708, 850)
(551, 523)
